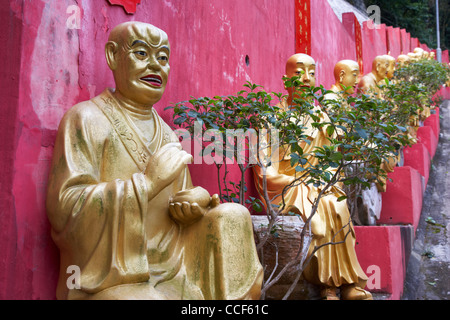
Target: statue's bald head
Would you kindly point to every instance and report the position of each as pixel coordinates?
(380, 67)
(345, 66)
(403, 60)
(346, 75)
(295, 60)
(303, 66)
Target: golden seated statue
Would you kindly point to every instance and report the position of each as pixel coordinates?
(346, 74)
(403, 60)
(120, 198)
(333, 266)
(369, 82)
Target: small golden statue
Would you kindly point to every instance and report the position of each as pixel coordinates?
(367, 210)
(346, 73)
(403, 60)
(369, 83)
(391, 66)
(333, 266)
(120, 198)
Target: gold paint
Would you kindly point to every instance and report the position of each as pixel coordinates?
(391, 68)
(332, 266)
(403, 60)
(368, 83)
(120, 198)
(346, 74)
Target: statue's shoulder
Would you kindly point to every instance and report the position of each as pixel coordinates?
(86, 117)
(168, 132)
(85, 112)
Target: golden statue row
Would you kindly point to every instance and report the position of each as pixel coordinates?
(124, 211)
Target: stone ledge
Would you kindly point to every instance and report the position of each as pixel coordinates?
(386, 247)
(402, 201)
(418, 157)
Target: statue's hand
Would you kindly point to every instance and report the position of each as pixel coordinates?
(186, 213)
(165, 165)
(188, 206)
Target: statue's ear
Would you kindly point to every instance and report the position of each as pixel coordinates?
(110, 52)
(285, 76)
(341, 75)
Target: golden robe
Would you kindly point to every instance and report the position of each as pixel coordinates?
(332, 265)
(126, 245)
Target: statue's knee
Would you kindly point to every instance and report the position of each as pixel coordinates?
(229, 210)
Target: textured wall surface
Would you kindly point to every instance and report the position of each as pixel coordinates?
(50, 66)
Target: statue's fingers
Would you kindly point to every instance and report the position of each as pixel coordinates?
(186, 208)
(215, 200)
(196, 210)
(178, 211)
(172, 211)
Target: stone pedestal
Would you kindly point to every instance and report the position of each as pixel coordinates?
(383, 253)
(402, 201)
(418, 157)
(427, 136)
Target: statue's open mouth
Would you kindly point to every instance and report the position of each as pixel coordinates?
(153, 79)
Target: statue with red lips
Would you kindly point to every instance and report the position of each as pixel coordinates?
(120, 198)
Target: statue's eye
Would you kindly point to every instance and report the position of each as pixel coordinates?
(141, 53)
(163, 58)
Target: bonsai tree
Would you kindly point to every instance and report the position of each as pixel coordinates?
(360, 136)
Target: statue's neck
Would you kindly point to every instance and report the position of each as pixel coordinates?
(376, 77)
(339, 90)
(140, 111)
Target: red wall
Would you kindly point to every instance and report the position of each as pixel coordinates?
(49, 67)
(330, 42)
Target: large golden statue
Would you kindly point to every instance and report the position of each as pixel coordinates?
(120, 198)
(333, 266)
(369, 83)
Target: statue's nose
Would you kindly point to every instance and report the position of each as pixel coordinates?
(153, 64)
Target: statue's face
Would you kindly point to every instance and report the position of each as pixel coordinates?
(142, 63)
(382, 68)
(302, 62)
(403, 60)
(349, 76)
(391, 68)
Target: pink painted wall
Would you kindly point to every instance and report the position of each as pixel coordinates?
(393, 41)
(330, 42)
(51, 67)
(414, 43)
(406, 41)
(374, 44)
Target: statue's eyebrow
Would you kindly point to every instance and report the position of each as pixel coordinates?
(302, 64)
(140, 42)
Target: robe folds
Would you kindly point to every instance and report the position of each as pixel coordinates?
(125, 244)
(332, 265)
